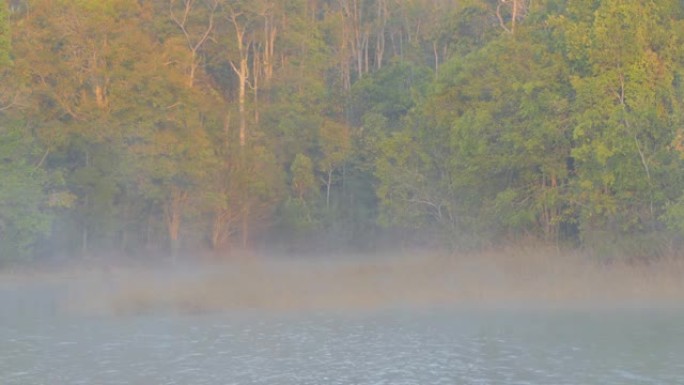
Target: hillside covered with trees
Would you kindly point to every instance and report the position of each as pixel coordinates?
(141, 126)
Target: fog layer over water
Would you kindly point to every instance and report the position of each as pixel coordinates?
(359, 320)
(351, 283)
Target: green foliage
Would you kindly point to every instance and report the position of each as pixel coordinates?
(391, 92)
(489, 144)
(303, 183)
(5, 36)
(623, 114)
(158, 125)
(25, 216)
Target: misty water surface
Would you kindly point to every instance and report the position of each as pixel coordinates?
(400, 345)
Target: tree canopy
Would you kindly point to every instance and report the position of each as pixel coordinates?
(138, 127)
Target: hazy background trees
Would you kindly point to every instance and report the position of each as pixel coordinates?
(138, 127)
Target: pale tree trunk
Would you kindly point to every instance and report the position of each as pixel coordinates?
(100, 96)
(245, 225)
(270, 34)
(366, 38)
(352, 21)
(193, 70)
(345, 74)
(217, 230)
(221, 228)
(396, 44)
(401, 46)
(380, 36)
(84, 234)
(343, 57)
(194, 43)
(242, 72)
(256, 70)
(357, 45)
(223, 212)
(97, 75)
(518, 9)
(101, 85)
(328, 185)
(514, 16)
(434, 50)
(173, 212)
(173, 209)
(550, 213)
(546, 216)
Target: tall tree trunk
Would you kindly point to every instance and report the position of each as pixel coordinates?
(352, 35)
(245, 227)
(366, 38)
(328, 185)
(173, 212)
(380, 33)
(84, 236)
(257, 68)
(434, 50)
(194, 43)
(242, 72)
(220, 230)
(270, 34)
(518, 8)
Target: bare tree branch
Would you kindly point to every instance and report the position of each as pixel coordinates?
(498, 16)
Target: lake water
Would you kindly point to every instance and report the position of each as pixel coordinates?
(391, 346)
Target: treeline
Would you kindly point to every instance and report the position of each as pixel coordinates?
(140, 126)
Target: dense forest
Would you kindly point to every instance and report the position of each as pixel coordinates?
(134, 127)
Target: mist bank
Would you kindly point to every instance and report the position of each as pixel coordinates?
(348, 283)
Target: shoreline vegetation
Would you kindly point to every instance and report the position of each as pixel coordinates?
(506, 277)
(174, 125)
